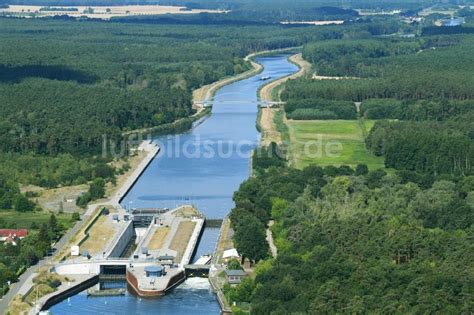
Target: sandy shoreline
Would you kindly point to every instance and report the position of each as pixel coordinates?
(265, 93)
(269, 131)
(206, 93)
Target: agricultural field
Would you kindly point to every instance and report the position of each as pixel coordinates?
(330, 142)
(98, 12)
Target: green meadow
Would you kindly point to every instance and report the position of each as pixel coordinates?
(330, 142)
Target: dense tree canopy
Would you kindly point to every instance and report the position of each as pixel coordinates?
(57, 82)
(425, 83)
(364, 243)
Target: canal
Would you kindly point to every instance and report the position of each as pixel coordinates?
(202, 167)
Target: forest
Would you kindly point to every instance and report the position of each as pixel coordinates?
(307, 109)
(438, 148)
(65, 85)
(437, 67)
(133, 79)
(414, 110)
(349, 239)
(139, 76)
(354, 240)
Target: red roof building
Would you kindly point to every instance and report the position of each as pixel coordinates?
(9, 233)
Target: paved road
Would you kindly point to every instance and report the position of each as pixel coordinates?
(15, 287)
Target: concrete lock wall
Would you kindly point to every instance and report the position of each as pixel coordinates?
(80, 268)
(122, 241)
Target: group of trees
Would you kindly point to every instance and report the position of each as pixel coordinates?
(66, 85)
(424, 83)
(371, 256)
(52, 171)
(96, 191)
(360, 241)
(351, 58)
(12, 198)
(61, 91)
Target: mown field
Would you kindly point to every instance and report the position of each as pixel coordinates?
(330, 142)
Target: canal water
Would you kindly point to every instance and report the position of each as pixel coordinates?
(202, 167)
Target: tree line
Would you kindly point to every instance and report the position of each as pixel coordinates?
(418, 110)
(307, 109)
(430, 68)
(428, 92)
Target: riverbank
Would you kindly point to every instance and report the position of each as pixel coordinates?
(266, 92)
(271, 92)
(202, 97)
(205, 93)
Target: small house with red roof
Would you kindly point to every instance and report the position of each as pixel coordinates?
(12, 235)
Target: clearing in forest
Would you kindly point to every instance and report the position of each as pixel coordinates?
(330, 142)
